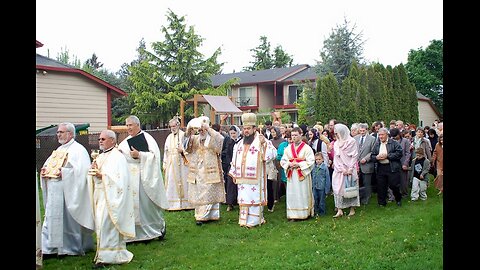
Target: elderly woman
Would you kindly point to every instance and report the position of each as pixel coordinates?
(344, 165)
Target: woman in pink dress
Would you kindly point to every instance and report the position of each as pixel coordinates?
(344, 164)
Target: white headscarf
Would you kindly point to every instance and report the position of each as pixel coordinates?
(343, 134)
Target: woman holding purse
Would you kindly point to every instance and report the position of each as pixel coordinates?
(344, 167)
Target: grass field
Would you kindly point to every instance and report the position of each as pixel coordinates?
(392, 237)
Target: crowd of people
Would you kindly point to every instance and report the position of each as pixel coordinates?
(121, 195)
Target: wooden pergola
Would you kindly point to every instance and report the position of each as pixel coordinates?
(218, 104)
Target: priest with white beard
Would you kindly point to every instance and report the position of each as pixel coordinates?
(249, 173)
(176, 168)
(68, 225)
(113, 203)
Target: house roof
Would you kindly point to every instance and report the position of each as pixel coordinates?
(298, 72)
(424, 98)
(46, 63)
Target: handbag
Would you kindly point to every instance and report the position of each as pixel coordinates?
(351, 187)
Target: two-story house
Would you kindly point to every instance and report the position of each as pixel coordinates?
(277, 89)
(267, 90)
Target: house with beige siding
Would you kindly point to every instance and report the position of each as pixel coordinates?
(68, 94)
(427, 111)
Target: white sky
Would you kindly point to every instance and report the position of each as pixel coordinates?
(112, 29)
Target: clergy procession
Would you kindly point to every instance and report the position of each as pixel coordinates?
(103, 201)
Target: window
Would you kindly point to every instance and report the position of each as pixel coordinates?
(294, 94)
(245, 96)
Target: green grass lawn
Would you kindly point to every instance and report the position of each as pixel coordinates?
(407, 237)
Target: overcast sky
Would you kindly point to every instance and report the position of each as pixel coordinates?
(112, 29)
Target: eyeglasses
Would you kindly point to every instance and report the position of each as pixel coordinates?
(101, 139)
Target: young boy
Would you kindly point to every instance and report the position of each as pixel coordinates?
(420, 167)
(320, 184)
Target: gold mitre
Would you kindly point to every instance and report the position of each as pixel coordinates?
(249, 119)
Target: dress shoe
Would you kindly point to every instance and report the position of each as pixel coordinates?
(199, 223)
(271, 210)
(164, 231)
(399, 203)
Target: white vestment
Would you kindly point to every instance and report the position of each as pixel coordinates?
(38, 223)
(299, 181)
(175, 173)
(68, 225)
(248, 171)
(113, 209)
(149, 196)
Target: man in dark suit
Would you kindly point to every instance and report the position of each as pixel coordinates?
(365, 143)
(387, 154)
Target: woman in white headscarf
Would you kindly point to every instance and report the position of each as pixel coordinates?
(344, 165)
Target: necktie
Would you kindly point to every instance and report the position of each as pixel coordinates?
(361, 142)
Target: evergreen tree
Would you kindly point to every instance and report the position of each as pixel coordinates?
(329, 92)
(376, 88)
(93, 62)
(173, 71)
(396, 99)
(261, 55)
(348, 106)
(340, 50)
(389, 96)
(366, 107)
(122, 107)
(64, 57)
(281, 59)
(307, 104)
(265, 59)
